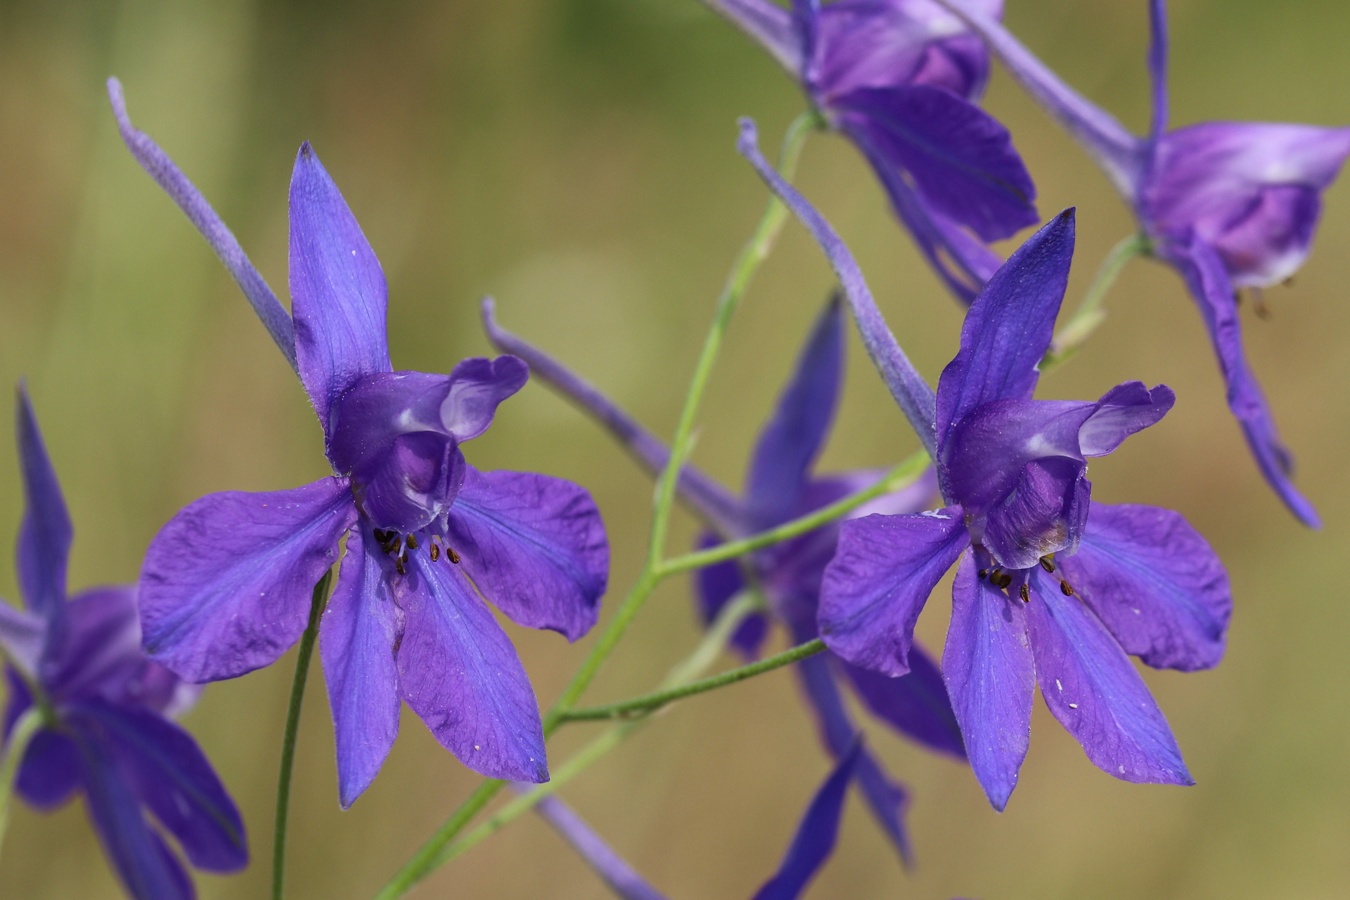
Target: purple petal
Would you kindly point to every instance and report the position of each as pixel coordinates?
(915, 704)
(1213, 294)
(708, 499)
(1045, 513)
(911, 392)
(1008, 327)
(460, 674)
(1094, 691)
(99, 650)
(1122, 411)
(338, 292)
(225, 586)
(790, 441)
(874, 589)
(961, 158)
(535, 546)
(360, 629)
(168, 772)
(50, 769)
(1157, 67)
(617, 874)
(768, 25)
(1154, 583)
(45, 532)
(990, 677)
(22, 637)
(190, 200)
(715, 586)
(413, 484)
(814, 841)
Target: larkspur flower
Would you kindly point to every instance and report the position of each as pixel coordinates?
(1051, 588)
(1230, 205)
(107, 730)
(225, 587)
(780, 487)
(900, 79)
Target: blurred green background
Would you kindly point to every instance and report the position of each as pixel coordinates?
(575, 159)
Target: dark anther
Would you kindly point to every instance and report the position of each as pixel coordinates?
(1025, 592)
(435, 552)
(400, 563)
(451, 555)
(982, 574)
(412, 541)
(1065, 589)
(390, 544)
(1001, 579)
(1047, 564)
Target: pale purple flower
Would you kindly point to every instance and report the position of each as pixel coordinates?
(226, 584)
(108, 734)
(900, 78)
(1228, 204)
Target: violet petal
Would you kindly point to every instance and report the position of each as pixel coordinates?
(617, 874)
(22, 637)
(1045, 513)
(99, 650)
(1157, 67)
(914, 704)
(50, 769)
(716, 585)
(45, 532)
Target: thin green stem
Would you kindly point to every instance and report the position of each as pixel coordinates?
(23, 732)
(316, 604)
(1075, 332)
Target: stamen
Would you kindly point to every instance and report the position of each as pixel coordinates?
(1001, 579)
(1065, 588)
(451, 555)
(435, 551)
(1047, 563)
(412, 541)
(982, 574)
(1025, 592)
(401, 564)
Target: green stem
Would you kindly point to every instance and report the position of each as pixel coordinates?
(23, 732)
(292, 729)
(1074, 333)
(647, 704)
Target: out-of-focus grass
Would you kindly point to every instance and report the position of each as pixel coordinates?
(575, 159)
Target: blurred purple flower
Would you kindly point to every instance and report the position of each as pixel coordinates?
(106, 731)
(900, 79)
(779, 488)
(1228, 204)
(225, 587)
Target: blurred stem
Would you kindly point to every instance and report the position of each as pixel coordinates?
(20, 736)
(316, 604)
(1074, 333)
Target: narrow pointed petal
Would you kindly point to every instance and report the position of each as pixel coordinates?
(814, 841)
(460, 674)
(360, 629)
(171, 776)
(338, 292)
(766, 24)
(794, 435)
(990, 676)
(915, 704)
(1155, 584)
(22, 637)
(45, 532)
(1008, 327)
(1113, 148)
(1094, 691)
(911, 392)
(961, 158)
(171, 179)
(226, 584)
(1157, 67)
(881, 575)
(708, 499)
(716, 586)
(1213, 294)
(617, 874)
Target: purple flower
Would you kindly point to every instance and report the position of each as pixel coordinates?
(1228, 204)
(900, 78)
(106, 731)
(781, 487)
(225, 587)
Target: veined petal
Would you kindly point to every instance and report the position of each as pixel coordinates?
(45, 532)
(1094, 691)
(715, 586)
(1124, 410)
(535, 546)
(1043, 514)
(338, 293)
(170, 775)
(794, 435)
(768, 25)
(881, 575)
(460, 674)
(990, 677)
(226, 584)
(1213, 294)
(617, 874)
(1008, 327)
(1155, 584)
(961, 158)
(360, 629)
(914, 704)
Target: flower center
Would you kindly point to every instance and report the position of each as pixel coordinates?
(397, 546)
(1002, 579)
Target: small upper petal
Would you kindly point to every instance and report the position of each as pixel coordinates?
(45, 532)
(1043, 514)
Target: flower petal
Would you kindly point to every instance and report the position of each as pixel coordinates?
(1095, 693)
(1157, 67)
(360, 629)
(226, 584)
(961, 158)
(715, 586)
(460, 674)
(617, 874)
(816, 835)
(914, 704)
(99, 650)
(45, 532)
(1124, 410)
(173, 778)
(1213, 294)
(535, 546)
(791, 439)
(874, 589)
(50, 769)
(990, 677)
(338, 293)
(22, 637)
(1044, 514)
(1154, 583)
(1008, 327)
